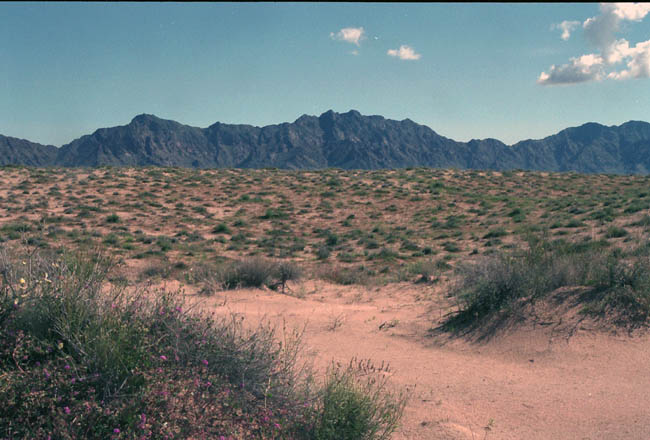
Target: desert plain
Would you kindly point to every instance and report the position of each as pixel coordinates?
(382, 261)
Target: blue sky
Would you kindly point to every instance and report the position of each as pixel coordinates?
(465, 70)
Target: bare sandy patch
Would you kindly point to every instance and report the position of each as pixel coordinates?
(532, 381)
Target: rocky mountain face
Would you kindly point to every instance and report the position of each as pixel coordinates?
(341, 140)
(15, 151)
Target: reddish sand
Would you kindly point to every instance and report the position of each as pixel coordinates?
(546, 380)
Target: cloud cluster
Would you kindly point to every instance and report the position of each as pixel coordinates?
(585, 68)
(351, 35)
(601, 32)
(404, 53)
(356, 35)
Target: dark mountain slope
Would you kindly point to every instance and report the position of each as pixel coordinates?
(590, 148)
(342, 140)
(147, 140)
(15, 151)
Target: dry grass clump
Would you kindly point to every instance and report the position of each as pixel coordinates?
(619, 281)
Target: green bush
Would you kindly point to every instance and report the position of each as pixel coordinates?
(252, 272)
(274, 213)
(323, 252)
(353, 409)
(258, 272)
(496, 282)
(496, 233)
(77, 361)
(615, 232)
(221, 228)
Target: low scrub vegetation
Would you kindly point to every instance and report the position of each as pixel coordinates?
(258, 272)
(366, 218)
(619, 282)
(78, 360)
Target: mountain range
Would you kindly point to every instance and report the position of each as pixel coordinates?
(337, 140)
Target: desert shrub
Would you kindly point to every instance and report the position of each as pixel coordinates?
(496, 233)
(332, 239)
(450, 246)
(111, 239)
(615, 232)
(113, 218)
(345, 275)
(77, 361)
(574, 223)
(257, 272)
(274, 213)
(624, 287)
(424, 270)
(165, 243)
(155, 270)
(252, 272)
(496, 282)
(221, 228)
(354, 409)
(323, 252)
(12, 231)
(286, 271)
(385, 254)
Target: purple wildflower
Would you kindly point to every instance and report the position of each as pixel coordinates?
(116, 430)
(163, 357)
(66, 410)
(205, 362)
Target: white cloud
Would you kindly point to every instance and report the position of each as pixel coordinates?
(566, 27)
(404, 53)
(638, 65)
(601, 32)
(351, 35)
(585, 68)
(629, 11)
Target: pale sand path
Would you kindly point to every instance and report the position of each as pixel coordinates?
(532, 385)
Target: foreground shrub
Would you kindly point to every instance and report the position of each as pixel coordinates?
(352, 409)
(78, 360)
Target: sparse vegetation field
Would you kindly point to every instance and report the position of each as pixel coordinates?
(491, 243)
(377, 226)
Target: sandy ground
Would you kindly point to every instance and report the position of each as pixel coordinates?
(555, 378)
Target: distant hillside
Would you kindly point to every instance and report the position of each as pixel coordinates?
(15, 151)
(342, 140)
